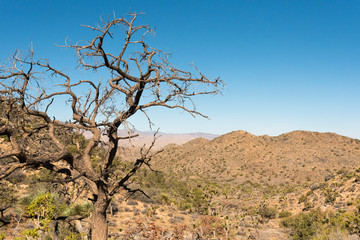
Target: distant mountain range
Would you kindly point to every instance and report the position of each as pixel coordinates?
(162, 139)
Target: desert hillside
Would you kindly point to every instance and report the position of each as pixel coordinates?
(299, 185)
(266, 186)
(295, 157)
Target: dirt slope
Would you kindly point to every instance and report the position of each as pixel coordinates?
(294, 157)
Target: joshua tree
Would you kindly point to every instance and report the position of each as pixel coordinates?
(134, 77)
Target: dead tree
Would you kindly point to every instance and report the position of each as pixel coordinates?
(134, 78)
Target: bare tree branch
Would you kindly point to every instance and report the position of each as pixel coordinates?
(11, 170)
(134, 77)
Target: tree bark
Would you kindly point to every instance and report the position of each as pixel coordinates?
(99, 227)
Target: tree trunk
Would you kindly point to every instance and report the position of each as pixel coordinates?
(99, 227)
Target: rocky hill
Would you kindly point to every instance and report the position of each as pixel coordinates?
(296, 157)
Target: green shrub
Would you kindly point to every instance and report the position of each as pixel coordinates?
(320, 225)
(302, 198)
(309, 193)
(308, 205)
(73, 236)
(304, 225)
(267, 212)
(81, 209)
(330, 196)
(32, 233)
(351, 222)
(270, 213)
(165, 198)
(186, 205)
(284, 214)
(42, 206)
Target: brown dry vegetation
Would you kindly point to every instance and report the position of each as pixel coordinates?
(242, 186)
(258, 181)
(296, 157)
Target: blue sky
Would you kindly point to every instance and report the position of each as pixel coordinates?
(288, 65)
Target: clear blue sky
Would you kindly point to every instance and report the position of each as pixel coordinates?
(289, 65)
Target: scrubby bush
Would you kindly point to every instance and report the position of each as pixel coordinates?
(302, 198)
(45, 209)
(330, 196)
(81, 209)
(165, 199)
(351, 221)
(284, 214)
(269, 212)
(303, 225)
(321, 225)
(210, 227)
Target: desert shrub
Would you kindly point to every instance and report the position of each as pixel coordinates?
(304, 225)
(287, 189)
(302, 198)
(186, 205)
(284, 214)
(330, 195)
(164, 198)
(351, 221)
(32, 233)
(308, 205)
(82, 209)
(309, 193)
(150, 211)
(269, 190)
(268, 212)
(42, 206)
(317, 225)
(73, 236)
(210, 226)
(199, 201)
